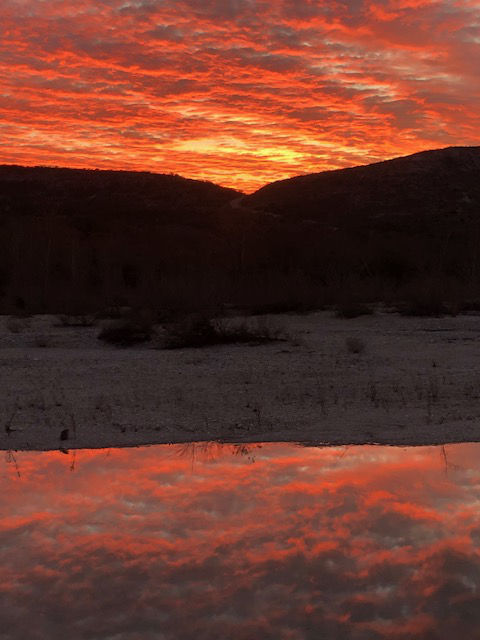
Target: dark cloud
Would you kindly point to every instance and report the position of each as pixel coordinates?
(166, 32)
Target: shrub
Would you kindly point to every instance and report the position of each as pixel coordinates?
(352, 310)
(126, 332)
(355, 345)
(202, 332)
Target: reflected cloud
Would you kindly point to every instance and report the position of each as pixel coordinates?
(369, 542)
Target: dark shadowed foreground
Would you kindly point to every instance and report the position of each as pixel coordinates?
(267, 542)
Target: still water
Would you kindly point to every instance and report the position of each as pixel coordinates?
(252, 542)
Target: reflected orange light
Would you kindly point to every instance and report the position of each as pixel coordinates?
(177, 539)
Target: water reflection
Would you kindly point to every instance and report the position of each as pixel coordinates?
(306, 543)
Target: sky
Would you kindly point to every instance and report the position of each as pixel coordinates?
(277, 541)
(240, 92)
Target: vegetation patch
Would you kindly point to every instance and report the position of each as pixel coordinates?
(203, 332)
(126, 332)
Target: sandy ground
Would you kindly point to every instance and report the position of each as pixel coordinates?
(416, 382)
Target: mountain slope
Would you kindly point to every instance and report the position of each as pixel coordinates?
(78, 239)
(109, 195)
(444, 181)
(74, 239)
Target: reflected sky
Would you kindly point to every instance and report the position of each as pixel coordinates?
(269, 541)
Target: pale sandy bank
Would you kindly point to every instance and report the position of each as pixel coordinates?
(416, 382)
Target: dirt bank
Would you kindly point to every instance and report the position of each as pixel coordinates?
(416, 381)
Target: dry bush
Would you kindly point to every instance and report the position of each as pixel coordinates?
(125, 332)
(199, 331)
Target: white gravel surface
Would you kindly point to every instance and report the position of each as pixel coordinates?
(416, 382)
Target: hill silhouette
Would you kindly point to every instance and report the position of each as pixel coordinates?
(140, 197)
(84, 239)
(439, 182)
(74, 238)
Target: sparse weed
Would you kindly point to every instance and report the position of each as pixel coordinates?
(372, 393)
(126, 332)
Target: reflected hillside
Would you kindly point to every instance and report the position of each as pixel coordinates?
(358, 542)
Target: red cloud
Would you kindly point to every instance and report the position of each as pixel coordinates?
(174, 541)
(239, 92)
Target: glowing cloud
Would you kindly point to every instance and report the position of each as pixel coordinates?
(241, 92)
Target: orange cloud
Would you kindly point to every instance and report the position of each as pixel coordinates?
(174, 541)
(240, 92)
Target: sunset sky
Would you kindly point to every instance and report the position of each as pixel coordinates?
(241, 92)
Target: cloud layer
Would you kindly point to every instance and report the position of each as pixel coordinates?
(359, 543)
(241, 92)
